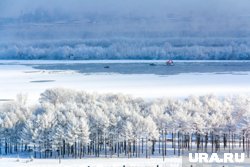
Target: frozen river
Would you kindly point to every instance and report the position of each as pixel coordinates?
(151, 67)
(137, 78)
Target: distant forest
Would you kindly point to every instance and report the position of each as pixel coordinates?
(129, 48)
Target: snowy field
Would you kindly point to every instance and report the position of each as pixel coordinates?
(98, 162)
(136, 78)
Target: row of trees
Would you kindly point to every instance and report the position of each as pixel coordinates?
(68, 123)
(183, 49)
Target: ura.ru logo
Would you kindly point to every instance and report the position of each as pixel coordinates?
(215, 158)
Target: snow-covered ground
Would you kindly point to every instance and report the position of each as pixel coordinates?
(92, 162)
(33, 77)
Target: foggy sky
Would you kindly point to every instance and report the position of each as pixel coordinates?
(112, 17)
(155, 8)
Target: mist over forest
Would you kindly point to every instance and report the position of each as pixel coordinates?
(116, 29)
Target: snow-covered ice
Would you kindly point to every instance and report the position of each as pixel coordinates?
(34, 77)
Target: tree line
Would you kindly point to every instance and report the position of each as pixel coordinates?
(151, 48)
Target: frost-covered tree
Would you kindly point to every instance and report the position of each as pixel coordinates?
(14, 116)
(68, 123)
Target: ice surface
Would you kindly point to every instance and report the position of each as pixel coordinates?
(228, 78)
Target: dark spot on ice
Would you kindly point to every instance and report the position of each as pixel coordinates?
(152, 64)
(42, 81)
(223, 73)
(31, 71)
(239, 74)
(3, 100)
